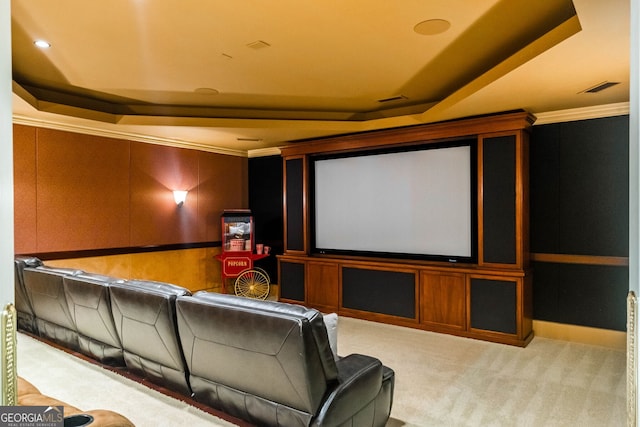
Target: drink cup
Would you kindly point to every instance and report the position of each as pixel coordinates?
(259, 248)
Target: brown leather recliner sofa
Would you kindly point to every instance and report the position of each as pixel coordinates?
(271, 364)
(118, 323)
(265, 362)
(26, 317)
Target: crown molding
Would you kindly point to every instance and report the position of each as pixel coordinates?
(87, 130)
(263, 152)
(549, 117)
(584, 113)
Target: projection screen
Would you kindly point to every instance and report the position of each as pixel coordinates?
(412, 202)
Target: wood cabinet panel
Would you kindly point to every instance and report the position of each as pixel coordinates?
(457, 300)
(322, 285)
(443, 299)
(499, 308)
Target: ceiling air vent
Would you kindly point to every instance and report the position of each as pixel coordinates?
(393, 98)
(600, 87)
(259, 44)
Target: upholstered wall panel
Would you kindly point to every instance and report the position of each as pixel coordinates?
(580, 207)
(580, 187)
(586, 295)
(223, 185)
(76, 192)
(155, 172)
(82, 191)
(24, 177)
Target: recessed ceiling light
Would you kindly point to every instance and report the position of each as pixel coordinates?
(432, 27)
(43, 44)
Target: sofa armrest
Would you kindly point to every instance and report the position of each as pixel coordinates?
(359, 383)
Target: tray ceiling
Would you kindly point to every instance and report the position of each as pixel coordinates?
(243, 76)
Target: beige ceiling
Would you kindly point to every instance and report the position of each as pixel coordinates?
(246, 77)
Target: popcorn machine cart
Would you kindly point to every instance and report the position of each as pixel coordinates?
(237, 256)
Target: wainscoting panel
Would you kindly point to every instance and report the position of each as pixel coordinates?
(194, 269)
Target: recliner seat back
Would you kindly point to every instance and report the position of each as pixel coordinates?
(90, 307)
(45, 289)
(259, 360)
(144, 316)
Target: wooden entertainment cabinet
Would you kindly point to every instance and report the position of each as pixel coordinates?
(489, 300)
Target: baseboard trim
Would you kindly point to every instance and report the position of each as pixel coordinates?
(581, 334)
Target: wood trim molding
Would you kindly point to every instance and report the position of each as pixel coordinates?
(581, 259)
(580, 334)
(49, 256)
(584, 113)
(130, 136)
(435, 132)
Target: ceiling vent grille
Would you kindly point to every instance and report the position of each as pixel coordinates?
(600, 87)
(393, 98)
(259, 44)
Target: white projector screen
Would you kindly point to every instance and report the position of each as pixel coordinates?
(406, 203)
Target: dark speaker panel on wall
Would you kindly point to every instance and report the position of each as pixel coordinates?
(499, 199)
(493, 305)
(292, 281)
(295, 204)
(379, 291)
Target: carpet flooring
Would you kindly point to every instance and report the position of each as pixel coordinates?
(441, 380)
(89, 386)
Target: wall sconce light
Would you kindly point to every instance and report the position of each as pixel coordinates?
(180, 196)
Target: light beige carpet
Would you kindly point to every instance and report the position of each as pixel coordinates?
(88, 386)
(441, 380)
